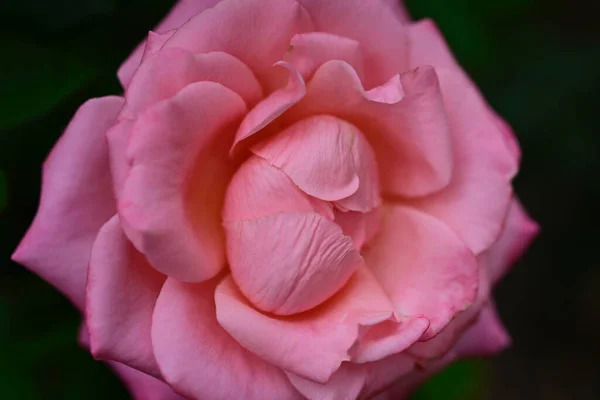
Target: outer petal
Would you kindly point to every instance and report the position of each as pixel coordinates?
(258, 32)
(288, 263)
(122, 289)
(410, 137)
(428, 47)
(171, 202)
(373, 25)
(199, 359)
(357, 324)
(309, 50)
(183, 10)
(354, 381)
(475, 203)
(400, 9)
(487, 337)
(519, 231)
(422, 265)
(169, 71)
(142, 386)
(76, 200)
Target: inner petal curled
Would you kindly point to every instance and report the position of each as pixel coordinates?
(297, 213)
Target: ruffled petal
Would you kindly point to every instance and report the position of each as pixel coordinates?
(476, 201)
(487, 337)
(165, 74)
(170, 205)
(423, 266)
(76, 201)
(199, 359)
(411, 137)
(288, 263)
(257, 32)
(122, 289)
(518, 233)
(309, 50)
(179, 14)
(371, 23)
(357, 324)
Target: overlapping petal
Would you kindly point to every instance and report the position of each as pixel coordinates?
(357, 324)
(76, 201)
(171, 202)
(121, 292)
(199, 359)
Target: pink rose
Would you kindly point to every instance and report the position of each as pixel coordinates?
(293, 199)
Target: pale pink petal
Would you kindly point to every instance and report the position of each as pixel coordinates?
(423, 266)
(399, 9)
(199, 359)
(258, 190)
(309, 50)
(475, 202)
(122, 289)
(356, 381)
(390, 92)
(258, 32)
(272, 106)
(318, 155)
(169, 71)
(487, 337)
(357, 324)
(179, 14)
(171, 202)
(411, 137)
(288, 263)
(142, 386)
(518, 233)
(371, 23)
(428, 47)
(361, 227)
(76, 201)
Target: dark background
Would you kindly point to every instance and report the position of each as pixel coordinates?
(538, 64)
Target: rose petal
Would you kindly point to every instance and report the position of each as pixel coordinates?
(487, 337)
(353, 381)
(475, 202)
(142, 386)
(309, 50)
(382, 38)
(122, 289)
(272, 106)
(118, 139)
(518, 233)
(76, 200)
(288, 263)
(257, 32)
(172, 198)
(358, 323)
(165, 74)
(423, 267)
(324, 156)
(258, 190)
(199, 359)
(411, 138)
(399, 9)
(179, 14)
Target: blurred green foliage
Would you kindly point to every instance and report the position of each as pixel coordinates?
(537, 63)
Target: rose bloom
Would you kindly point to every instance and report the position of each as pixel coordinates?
(293, 199)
